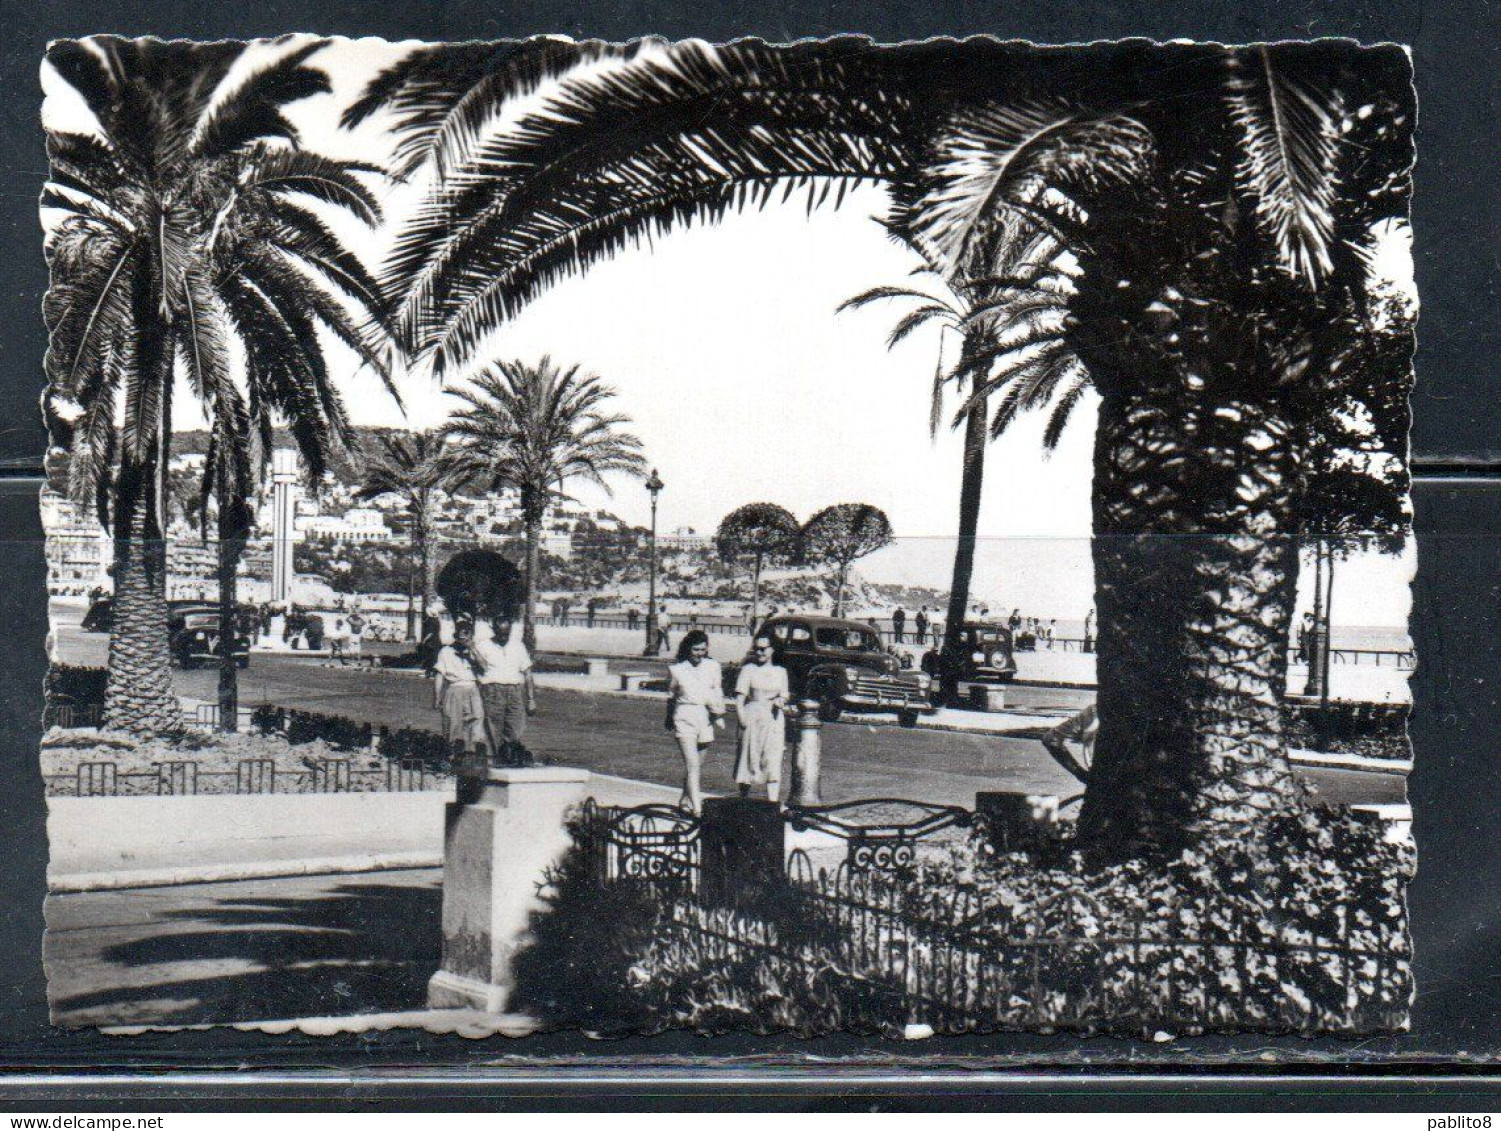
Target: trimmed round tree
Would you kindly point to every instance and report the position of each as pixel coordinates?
(758, 534)
(841, 535)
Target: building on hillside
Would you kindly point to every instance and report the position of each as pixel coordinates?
(685, 538)
(357, 524)
(79, 551)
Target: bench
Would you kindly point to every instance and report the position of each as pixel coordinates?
(632, 681)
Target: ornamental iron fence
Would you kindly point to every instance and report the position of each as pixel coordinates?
(958, 955)
(187, 778)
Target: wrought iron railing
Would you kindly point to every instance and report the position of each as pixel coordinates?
(186, 778)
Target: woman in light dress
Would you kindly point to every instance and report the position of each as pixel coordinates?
(761, 692)
(695, 707)
(456, 692)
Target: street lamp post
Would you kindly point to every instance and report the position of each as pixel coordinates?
(654, 487)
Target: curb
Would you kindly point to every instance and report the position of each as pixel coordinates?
(228, 873)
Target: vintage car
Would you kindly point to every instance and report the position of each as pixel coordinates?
(100, 617)
(193, 633)
(841, 664)
(986, 653)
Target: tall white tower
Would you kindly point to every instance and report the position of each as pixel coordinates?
(283, 536)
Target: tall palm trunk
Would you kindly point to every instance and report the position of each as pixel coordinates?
(138, 694)
(1195, 558)
(232, 538)
(970, 485)
(529, 587)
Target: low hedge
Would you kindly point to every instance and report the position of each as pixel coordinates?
(405, 744)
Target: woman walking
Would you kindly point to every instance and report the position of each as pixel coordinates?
(456, 693)
(761, 692)
(695, 706)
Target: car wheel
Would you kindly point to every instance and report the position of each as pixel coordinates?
(907, 717)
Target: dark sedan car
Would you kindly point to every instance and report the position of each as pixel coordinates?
(841, 664)
(193, 633)
(986, 653)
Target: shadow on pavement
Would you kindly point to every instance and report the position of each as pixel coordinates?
(353, 947)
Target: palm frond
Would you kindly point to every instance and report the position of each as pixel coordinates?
(252, 111)
(300, 171)
(1289, 122)
(711, 129)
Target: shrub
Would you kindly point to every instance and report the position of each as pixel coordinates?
(1301, 930)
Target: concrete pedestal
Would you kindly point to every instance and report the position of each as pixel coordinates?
(985, 697)
(1018, 822)
(742, 845)
(499, 842)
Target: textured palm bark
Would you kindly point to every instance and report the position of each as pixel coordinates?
(1195, 564)
(971, 485)
(533, 565)
(138, 695)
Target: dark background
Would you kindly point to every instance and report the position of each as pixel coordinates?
(1455, 902)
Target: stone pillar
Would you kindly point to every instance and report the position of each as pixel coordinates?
(742, 846)
(501, 837)
(807, 757)
(283, 535)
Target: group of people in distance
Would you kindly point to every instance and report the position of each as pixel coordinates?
(483, 688)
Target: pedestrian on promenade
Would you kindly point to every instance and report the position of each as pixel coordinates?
(633, 618)
(899, 623)
(664, 633)
(354, 646)
(921, 622)
(591, 609)
(761, 693)
(1305, 638)
(695, 707)
(337, 638)
(1014, 621)
(456, 692)
(507, 690)
(1078, 730)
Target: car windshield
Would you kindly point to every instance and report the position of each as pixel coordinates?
(990, 636)
(850, 639)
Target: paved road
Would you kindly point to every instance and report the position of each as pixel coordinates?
(254, 950)
(610, 734)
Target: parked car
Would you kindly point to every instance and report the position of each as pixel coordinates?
(841, 664)
(100, 617)
(987, 653)
(193, 633)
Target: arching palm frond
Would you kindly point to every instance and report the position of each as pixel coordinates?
(1003, 174)
(443, 97)
(712, 130)
(1289, 121)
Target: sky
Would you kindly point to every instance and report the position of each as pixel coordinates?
(724, 349)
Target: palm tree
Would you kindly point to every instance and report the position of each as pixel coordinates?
(179, 229)
(1218, 207)
(531, 429)
(410, 467)
(1021, 330)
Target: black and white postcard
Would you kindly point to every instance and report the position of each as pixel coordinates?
(905, 539)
